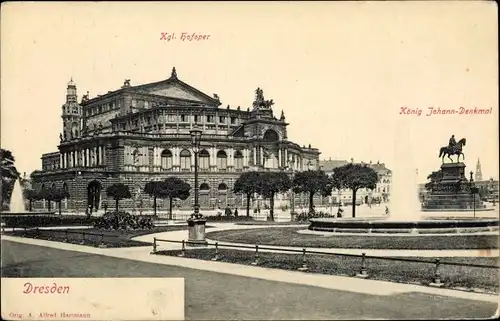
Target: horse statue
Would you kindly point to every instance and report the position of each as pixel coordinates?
(455, 150)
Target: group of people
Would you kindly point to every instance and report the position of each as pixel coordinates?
(227, 211)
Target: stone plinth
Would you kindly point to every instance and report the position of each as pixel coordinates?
(452, 191)
(196, 229)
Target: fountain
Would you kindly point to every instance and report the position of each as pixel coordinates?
(404, 203)
(405, 214)
(17, 199)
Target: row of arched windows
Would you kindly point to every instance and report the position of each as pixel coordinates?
(203, 160)
(205, 188)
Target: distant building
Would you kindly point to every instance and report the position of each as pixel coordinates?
(479, 175)
(381, 192)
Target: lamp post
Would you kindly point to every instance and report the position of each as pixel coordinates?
(196, 223)
(473, 190)
(195, 142)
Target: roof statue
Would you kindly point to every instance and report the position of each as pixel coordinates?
(216, 97)
(174, 73)
(259, 101)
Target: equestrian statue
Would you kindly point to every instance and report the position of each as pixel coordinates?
(453, 148)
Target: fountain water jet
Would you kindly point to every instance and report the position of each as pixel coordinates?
(404, 203)
(17, 199)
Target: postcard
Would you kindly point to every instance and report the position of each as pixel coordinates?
(249, 160)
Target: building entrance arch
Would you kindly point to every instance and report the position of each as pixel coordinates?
(94, 195)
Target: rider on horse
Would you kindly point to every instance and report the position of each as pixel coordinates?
(452, 143)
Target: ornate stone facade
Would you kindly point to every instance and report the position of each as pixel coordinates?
(141, 133)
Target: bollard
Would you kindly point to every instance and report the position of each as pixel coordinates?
(437, 276)
(256, 261)
(362, 273)
(66, 236)
(183, 250)
(102, 244)
(83, 239)
(24, 233)
(37, 233)
(154, 246)
(216, 258)
(304, 263)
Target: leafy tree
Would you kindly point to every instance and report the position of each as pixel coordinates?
(271, 183)
(9, 174)
(44, 194)
(174, 188)
(31, 195)
(247, 184)
(57, 195)
(312, 182)
(154, 189)
(354, 177)
(118, 192)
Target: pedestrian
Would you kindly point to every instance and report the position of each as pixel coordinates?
(236, 211)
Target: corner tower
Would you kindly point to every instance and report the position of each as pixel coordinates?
(71, 113)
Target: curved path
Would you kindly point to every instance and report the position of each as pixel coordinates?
(182, 235)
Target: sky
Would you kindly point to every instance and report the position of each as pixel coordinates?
(340, 71)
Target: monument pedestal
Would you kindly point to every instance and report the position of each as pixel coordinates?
(452, 192)
(196, 229)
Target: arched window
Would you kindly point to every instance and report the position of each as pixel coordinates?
(204, 159)
(271, 136)
(222, 187)
(221, 160)
(238, 160)
(166, 159)
(204, 187)
(185, 159)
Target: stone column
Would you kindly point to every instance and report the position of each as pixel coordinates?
(230, 157)
(255, 156)
(103, 154)
(261, 155)
(280, 164)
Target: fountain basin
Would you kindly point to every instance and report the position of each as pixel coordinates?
(427, 226)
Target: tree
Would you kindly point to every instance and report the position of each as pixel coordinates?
(271, 183)
(118, 192)
(247, 184)
(154, 189)
(337, 182)
(57, 195)
(354, 177)
(9, 174)
(44, 194)
(31, 195)
(312, 182)
(174, 188)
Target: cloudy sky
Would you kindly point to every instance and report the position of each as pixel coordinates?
(340, 71)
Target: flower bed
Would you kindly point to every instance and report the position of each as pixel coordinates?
(38, 220)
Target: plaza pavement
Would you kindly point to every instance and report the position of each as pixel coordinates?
(182, 235)
(365, 286)
(223, 293)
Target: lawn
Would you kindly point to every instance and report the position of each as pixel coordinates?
(481, 278)
(94, 237)
(288, 236)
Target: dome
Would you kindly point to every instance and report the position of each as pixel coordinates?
(71, 83)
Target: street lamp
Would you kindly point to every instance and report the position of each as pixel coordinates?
(474, 190)
(195, 142)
